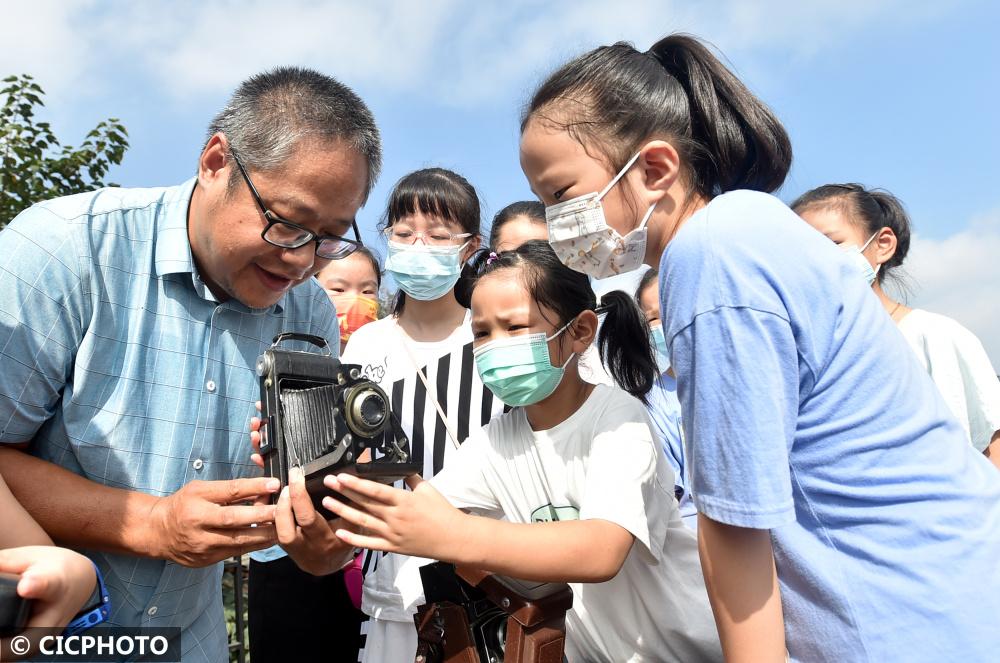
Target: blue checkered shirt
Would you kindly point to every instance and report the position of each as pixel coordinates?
(117, 363)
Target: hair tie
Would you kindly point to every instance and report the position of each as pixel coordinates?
(493, 256)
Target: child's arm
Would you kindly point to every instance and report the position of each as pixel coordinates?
(19, 529)
(423, 523)
(738, 564)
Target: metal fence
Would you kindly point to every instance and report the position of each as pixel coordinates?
(234, 589)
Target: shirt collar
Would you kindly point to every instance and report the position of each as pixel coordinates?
(173, 246)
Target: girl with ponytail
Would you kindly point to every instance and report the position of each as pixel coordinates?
(584, 494)
(874, 228)
(827, 473)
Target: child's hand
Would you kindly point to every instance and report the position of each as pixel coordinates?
(59, 581)
(418, 522)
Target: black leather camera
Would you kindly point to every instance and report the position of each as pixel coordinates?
(323, 416)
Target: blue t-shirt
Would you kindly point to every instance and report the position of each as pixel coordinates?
(665, 413)
(806, 413)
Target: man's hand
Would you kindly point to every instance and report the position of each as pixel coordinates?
(306, 535)
(207, 521)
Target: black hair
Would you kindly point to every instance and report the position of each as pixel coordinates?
(616, 98)
(648, 278)
(374, 260)
(272, 113)
(433, 191)
(530, 209)
(623, 340)
(869, 209)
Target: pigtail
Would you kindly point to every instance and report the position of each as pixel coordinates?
(740, 144)
(624, 344)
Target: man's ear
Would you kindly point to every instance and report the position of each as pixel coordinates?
(214, 161)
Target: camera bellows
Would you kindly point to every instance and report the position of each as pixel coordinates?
(308, 422)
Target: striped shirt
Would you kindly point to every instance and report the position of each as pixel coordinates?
(389, 358)
(118, 363)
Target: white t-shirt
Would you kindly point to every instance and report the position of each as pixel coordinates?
(392, 588)
(600, 463)
(958, 364)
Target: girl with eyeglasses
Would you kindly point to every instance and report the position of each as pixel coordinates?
(421, 355)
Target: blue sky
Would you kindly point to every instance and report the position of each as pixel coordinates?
(902, 95)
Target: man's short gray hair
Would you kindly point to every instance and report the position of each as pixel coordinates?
(271, 112)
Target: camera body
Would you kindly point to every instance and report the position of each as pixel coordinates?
(323, 416)
(474, 617)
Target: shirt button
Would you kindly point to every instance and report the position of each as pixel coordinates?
(152, 611)
(210, 385)
(198, 464)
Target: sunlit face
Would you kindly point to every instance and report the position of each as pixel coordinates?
(838, 227)
(502, 307)
(353, 275)
(519, 230)
(649, 302)
(558, 169)
(320, 187)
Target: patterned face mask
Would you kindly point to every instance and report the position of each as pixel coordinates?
(583, 240)
(353, 312)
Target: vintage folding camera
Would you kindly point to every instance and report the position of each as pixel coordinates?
(323, 416)
(475, 617)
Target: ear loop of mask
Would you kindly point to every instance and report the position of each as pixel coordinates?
(621, 174)
(561, 330)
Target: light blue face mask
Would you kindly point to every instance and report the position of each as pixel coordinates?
(518, 370)
(868, 273)
(659, 343)
(424, 272)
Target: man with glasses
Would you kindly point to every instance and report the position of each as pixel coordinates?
(130, 322)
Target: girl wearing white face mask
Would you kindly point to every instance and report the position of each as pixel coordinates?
(853, 216)
(421, 355)
(828, 474)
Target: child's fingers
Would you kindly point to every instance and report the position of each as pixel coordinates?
(356, 517)
(34, 586)
(413, 481)
(367, 503)
(378, 492)
(361, 541)
(257, 460)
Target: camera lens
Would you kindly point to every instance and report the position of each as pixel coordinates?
(366, 410)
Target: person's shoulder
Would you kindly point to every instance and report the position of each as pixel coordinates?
(939, 330)
(610, 401)
(111, 212)
(374, 333)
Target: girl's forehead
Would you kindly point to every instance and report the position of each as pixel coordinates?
(420, 221)
(502, 295)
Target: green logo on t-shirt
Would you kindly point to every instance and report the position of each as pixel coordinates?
(554, 514)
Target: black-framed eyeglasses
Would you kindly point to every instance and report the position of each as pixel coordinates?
(287, 235)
